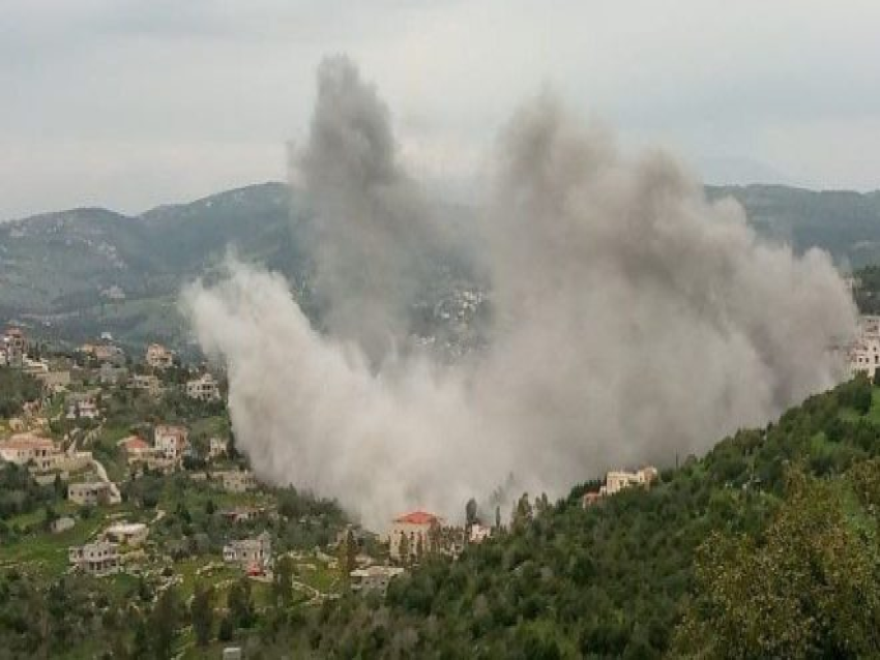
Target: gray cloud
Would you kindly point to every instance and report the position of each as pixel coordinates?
(632, 320)
(122, 76)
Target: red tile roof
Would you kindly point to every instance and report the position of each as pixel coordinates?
(27, 441)
(134, 443)
(418, 518)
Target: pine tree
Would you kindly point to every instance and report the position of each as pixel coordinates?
(202, 613)
(403, 549)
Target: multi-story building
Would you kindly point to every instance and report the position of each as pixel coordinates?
(236, 481)
(15, 346)
(159, 357)
(217, 447)
(250, 553)
(90, 493)
(171, 440)
(413, 533)
(147, 383)
(204, 388)
(618, 480)
(373, 578)
(25, 448)
(99, 558)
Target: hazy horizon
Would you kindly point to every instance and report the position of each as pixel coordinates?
(129, 105)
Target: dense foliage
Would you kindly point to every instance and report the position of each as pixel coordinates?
(16, 389)
(867, 289)
(773, 534)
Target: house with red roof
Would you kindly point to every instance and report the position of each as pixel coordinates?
(414, 534)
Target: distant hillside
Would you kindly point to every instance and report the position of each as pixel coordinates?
(845, 223)
(74, 273)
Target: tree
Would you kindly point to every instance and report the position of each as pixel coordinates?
(282, 581)
(241, 604)
(163, 622)
(470, 511)
(201, 612)
(347, 555)
(810, 589)
(522, 512)
(403, 549)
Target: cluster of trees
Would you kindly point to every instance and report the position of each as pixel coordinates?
(16, 389)
(766, 547)
(867, 290)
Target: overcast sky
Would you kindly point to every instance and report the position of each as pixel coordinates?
(131, 103)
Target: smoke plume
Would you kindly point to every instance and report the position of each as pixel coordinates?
(631, 320)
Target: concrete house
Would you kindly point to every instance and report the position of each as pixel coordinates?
(99, 558)
(92, 493)
(204, 388)
(249, 553)
(420, 530)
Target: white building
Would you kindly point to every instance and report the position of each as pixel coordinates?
(15, 345)
(25, 448)
(236, 481)
(479, 533)
(204, 388)
(217, 447)
(374, 578)
(618, 480)
(420, 530)
(90, 493)
(171, 440)
(99, 558)
(250, 553)
(159, 357)
(131, 534)
(147, 383)
(864, 355)
(85, 409)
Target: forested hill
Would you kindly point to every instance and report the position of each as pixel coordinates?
(767, 547)
(72, 274)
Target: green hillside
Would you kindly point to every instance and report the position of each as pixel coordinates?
(766, 547)
(72, 274)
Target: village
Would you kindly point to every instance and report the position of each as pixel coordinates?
(136, 480)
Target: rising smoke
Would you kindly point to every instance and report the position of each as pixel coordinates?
(632, 320)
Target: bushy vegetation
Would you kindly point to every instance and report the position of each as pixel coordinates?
(16, 389)
(767, 547)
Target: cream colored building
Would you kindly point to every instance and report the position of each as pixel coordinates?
(131, 534)
(24, 448)
(236, 481)
(419, 529)
(374, 578)
(91, 493)
(147, 383)
(618, 480)
(171, 440)
(249, 553)
(99, 558)
(204, 388)
(159, 357)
